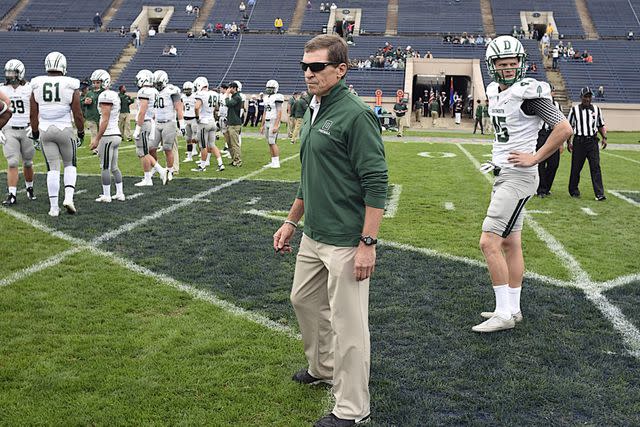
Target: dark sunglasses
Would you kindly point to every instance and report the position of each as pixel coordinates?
(316, 67)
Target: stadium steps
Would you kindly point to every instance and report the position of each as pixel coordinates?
(554, 78)
(392, 18)
(111, 12)
(205, 12)
(298, 17)
(11, 16)
(121, 63)
(585, 18)
(487, 17)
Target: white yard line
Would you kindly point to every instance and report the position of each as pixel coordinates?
(623, 197)
(620, 157)
(619, 281)
(538, 212)
(134, 196)
(394, 200)
(188, 199)
(42, 265)
(589, 211)
(581, 280)
(253, 201)
(81, 191)
(449, 206)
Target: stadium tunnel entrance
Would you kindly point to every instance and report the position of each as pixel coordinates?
(156, 17)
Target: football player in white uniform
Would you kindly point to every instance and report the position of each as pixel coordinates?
(517, 106)
(18, 145)
(191, 127)
(206, 102)
(108, 139)
(168, 104)
(273, 103)
(54, 97)
(145, 128)
(222, 118)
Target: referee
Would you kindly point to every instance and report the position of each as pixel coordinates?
(586, 120)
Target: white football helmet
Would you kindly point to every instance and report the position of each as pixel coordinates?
(160, 79)
(14, 70)
(272, 87)
(55, 61)
(237, 82)
(144, 78)
(200, 83)
(103, 77)
(187, 88)
(505, 47)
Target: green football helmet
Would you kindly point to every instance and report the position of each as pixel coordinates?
(505, 47)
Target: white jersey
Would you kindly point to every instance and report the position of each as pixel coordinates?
(110, 97)
(189, 106)
(271, 105)
(150, 94)
(20, 103)
(164, 105)
(54, 95)
(209, 99)
(514, 130)
(222, 106)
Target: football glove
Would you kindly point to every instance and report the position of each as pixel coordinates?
(3, 139)
(137, 131)
(183, 127)
(79, 141)
(81, 137)
(487, 167)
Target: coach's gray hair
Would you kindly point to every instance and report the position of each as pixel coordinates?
(336, 47)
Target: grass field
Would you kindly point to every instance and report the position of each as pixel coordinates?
(171, 308)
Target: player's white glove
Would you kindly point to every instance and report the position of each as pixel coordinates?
(487, 167)
(136, 132)
(183, 127)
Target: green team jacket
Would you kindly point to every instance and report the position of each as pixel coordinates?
(343, 168)
(233, 113)
(90, 111)
(125, 101)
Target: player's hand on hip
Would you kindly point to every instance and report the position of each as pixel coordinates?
(365, 262)
(522, 159)
(569, 147)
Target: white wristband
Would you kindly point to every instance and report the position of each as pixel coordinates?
(288, 221)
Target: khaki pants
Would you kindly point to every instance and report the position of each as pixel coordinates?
(333, 313)
(233, 132)
(92, 127)
(176, 157)
(434, 118)
(418, 114)
(296, 129)
(291, 125)
(124, 124)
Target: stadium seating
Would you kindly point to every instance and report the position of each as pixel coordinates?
(85, 52)
(261, 16)
(261, 57)
(613, 67)
(63, 14)
(506, 14)
(615, 17)
(436, 16)
(6, 6)
(373, 21)
(180, 21)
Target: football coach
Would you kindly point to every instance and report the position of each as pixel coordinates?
(343, 188)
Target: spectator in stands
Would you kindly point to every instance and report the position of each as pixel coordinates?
(309, 6)
(600, 93)
(447, 38)
(322, 9)
(428, 55)
(589, 59)
(243, 8)
(417, 109)
(479, 40)
(189, 8)
(173, 51)
(471, 40)
(219, 28)
(205, 35)
(514, 32)
(123, 31)
(352, 90)
(487, 40)
(97, 22)
(630, 35)
(196, 11)
(584, 55)
(165, 51)
(124, 122)
(555, 54)
(234, 30)
(152, 32)
(190, 35)
(278, 24)
(251, 3)
(136, 37)
(534, 68)
(227, 30)
(544, 43)
(209, 28)
(549, 30)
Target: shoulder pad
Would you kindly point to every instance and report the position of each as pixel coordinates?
(72, 83)
(492, 89)
(278, 97)
(531, 89)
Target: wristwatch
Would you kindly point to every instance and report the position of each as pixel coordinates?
(368, 240)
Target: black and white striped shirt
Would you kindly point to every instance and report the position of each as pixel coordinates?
(585, 121)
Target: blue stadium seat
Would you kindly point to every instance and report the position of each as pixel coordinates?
(436, 16)
(506, 14)
(63, 14)
(261, 16)
(615, 17)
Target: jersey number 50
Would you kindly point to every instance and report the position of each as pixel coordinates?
(500, 126)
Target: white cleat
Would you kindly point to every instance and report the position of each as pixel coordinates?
(104, 199)
(199, 169)
(54, 212)
(273, 166)
(489, 314)
(495, 324)
(119, 197)
(169, 176)
(187, 160)
(164, 175)
(144, 183)
(70, 207)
